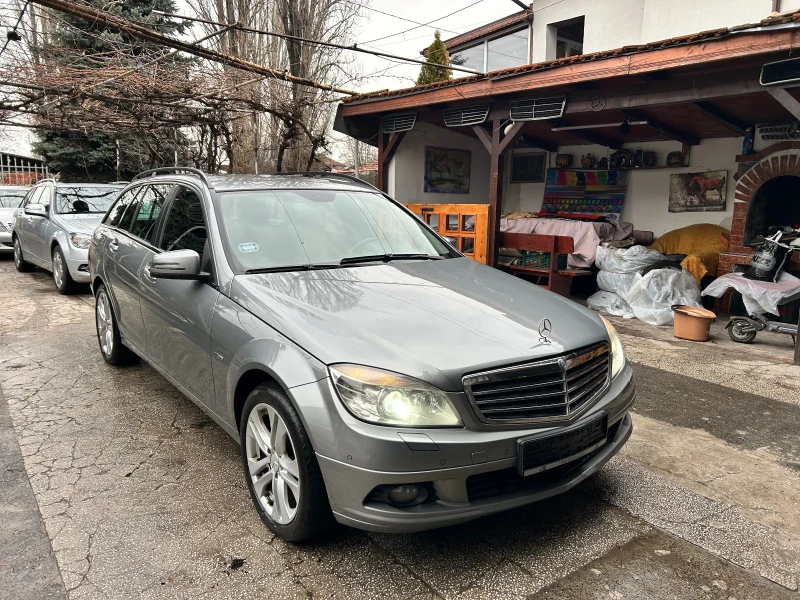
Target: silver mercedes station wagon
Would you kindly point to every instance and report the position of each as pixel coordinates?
(371, 374)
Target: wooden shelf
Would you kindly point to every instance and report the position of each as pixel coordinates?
(657, 167)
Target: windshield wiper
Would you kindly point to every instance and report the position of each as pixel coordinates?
(351, 260)
(288, 268)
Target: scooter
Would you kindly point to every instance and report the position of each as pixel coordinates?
(744, 329)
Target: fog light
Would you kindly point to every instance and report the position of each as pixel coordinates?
(403, 495)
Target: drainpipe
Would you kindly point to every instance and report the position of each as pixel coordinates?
(776, 6)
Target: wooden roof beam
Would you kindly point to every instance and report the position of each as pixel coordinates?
(668, 130)
(786, 100)
(721, 117)
(535, 142)
(590, 136)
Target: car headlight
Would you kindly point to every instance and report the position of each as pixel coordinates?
(80, 241)
(617, 353)
(387, 398)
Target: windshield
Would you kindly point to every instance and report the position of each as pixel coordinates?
(12, 198)
(77, 200)
(271, 229)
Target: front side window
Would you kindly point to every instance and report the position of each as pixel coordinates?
(272, 229)
(150, 203)
(77, 200)
(185, 227)
(12, 198)
(36, 196)
(114, 216)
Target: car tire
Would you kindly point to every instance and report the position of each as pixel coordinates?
(22, 265)
(275, 462)
(61, 277)
(111, 347)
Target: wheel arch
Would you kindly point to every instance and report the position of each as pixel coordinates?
(247, 382)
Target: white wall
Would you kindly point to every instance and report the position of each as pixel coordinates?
(407, 170)
(612, 24)
(647, 198)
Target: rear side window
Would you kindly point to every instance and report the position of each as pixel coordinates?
(185, 227)
(124, 200)
(150, 203)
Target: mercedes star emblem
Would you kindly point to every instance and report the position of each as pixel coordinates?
(598, 103)
(545, 327)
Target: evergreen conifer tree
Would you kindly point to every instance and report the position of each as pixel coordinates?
(437, 54)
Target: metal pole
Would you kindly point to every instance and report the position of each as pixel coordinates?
(175, 149)
(797, 344)
(119, 165)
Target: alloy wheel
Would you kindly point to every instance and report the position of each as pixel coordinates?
(17, 253)
(272, 462)
(105, 324)
(58, 269)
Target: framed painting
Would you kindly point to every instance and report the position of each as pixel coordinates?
(698, 192)
(447, 170)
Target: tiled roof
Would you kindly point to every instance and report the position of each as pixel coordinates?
(694, 38)
(365, 168)
(488, 29)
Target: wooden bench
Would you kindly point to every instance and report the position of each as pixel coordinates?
(558, 280)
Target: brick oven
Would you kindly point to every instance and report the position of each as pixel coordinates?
(767, 194)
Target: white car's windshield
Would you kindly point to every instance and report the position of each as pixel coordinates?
(12, 198)
(76, 200)
(273, 229)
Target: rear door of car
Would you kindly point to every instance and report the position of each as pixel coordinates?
(177, 313)
(128, 248)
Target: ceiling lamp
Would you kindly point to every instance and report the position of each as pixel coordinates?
(625, 127)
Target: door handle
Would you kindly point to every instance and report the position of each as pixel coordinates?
(113, 246)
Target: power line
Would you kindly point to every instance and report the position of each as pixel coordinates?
(14, 29)
(424, 24)
(286, 36)
(375, 10)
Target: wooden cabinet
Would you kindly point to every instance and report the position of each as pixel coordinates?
(465, 226)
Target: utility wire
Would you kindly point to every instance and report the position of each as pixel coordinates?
(19, 20)
(375, 10)
(286, 36)
(424, 24)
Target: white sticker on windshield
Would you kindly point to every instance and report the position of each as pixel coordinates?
(248, 247)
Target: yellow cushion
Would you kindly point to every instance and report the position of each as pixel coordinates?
(702, 243)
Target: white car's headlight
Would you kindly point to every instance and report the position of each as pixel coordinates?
(80, 241)
(617, 354)
(387, 398)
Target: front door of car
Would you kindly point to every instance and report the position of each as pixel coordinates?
(25, 224)
(38, 238)
(128, 247)
(177, 313)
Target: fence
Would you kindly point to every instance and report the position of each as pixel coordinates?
(20, 170)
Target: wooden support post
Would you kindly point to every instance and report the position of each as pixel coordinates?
(386, 150)
(495, 195)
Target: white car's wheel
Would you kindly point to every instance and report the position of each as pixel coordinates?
(22, 265)
(61, 277)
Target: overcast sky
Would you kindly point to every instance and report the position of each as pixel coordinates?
(377, 25)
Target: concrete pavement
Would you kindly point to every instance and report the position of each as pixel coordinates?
(139, 495)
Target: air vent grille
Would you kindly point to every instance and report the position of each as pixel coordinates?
(774, 132)
(536, 109)
(398, 122)
(468, 115)
(783, 71)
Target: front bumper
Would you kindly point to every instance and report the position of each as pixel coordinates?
(473, 473)
(77, 263)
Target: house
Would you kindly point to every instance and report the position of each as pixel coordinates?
(608, 79)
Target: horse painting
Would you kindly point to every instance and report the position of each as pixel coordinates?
(695, 192)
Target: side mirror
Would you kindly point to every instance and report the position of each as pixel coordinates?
(177, 264)
(39, 210)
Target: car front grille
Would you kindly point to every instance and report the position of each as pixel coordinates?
(548, 390)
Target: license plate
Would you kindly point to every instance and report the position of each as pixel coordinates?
(539, 453)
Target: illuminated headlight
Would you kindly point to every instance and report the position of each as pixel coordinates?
(80, 241)
(388, 398)
(617, 353)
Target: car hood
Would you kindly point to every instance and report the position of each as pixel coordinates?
(434, 320)
(80, 223)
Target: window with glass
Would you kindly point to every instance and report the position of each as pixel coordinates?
(471, 58)
(12, 198)
(115, 215)
(185, 227)
(150, 203)
(294, 228)
(507, 51)
(77, 200)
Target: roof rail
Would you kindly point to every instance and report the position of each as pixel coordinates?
(117, 182)
(329, 174)
(175, 171)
